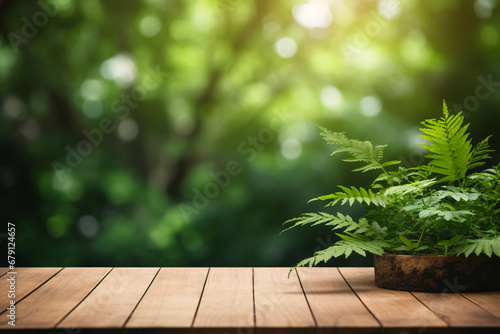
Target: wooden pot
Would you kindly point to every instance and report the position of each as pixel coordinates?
(437, 273)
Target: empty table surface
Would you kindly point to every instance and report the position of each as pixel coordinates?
(232, 300)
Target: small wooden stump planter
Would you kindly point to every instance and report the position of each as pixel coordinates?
(437, 273)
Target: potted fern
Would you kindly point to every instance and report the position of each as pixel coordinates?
(430, 227)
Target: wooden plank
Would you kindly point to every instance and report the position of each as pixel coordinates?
(490, 301)
(227, 300)
(279, 300)
(46, 306)
(332, 301)
(226, 305)
(3, 270)
(392, 308)
(113, 300)
(457, 310)
(25, 281)
(171, 300)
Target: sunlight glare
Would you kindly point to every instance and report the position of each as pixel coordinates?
(313, 14)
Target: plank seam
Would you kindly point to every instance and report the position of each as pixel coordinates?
(5, 273)
(444, 318)
(307, 300)
(38, 287)
(253, 298)
(81, 301)
(201, 296)
(482, 308)
(353, 291)
(136, 305)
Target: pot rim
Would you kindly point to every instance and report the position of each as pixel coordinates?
(427, 256)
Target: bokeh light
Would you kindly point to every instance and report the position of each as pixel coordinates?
(120, 68)
(370, 106)
(286, 47)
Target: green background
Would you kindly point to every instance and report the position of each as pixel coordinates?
(199, 115)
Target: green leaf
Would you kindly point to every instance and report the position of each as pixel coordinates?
(451, 241)
(480, 153)
(408, 243)
(452, 154)
(310, 219)
(359, 151)
(458, 215)
(340, 221)
(352, 195)
(409, 188)
(480, 246)
(351, 243)
(390, 163)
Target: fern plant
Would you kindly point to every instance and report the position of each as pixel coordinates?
(442, 207)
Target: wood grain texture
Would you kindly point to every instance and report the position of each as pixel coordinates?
(233, 300)
(332, 301)
(279, 300)
(392, 308)
(457, 311)
(113, 300)
(490, 301)
(3, 270)
(171, 300)
(26, 280)
(46, 306)
(227, 300)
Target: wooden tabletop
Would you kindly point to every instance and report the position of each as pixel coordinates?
(234, 300)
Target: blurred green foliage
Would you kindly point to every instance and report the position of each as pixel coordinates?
(175, 133)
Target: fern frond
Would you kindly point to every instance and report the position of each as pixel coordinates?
(488, 178)
(479, 246)
(392, 177)
(487, 175)
(450, 147)
(375, 230)
(352, 195)
(457, 194)
(390, 163)
(310, 219)
(338, 221)
(480, 153)
(346, 246)
(360, 151)
(344, 221)
(456, 216)
(349, 225)
(409, 188)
